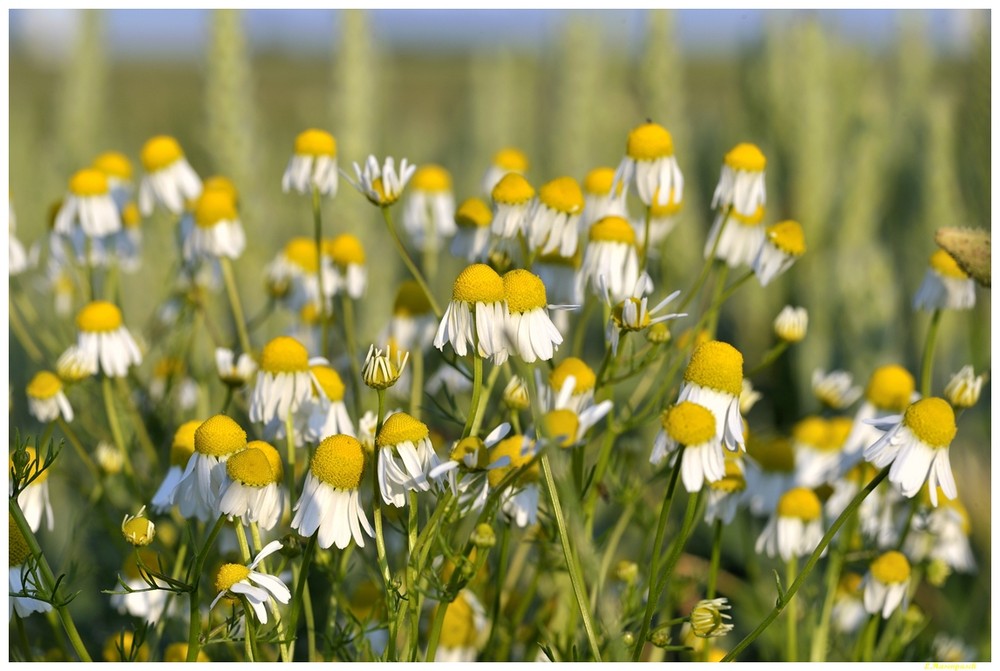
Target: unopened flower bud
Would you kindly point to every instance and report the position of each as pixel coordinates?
(382, 371)
(938, 572)
(964, 388)
(791, 323)
(658, 333)
(484, 536)
(628, 638)
(137, 529)
(661, 637)
(627, 571)
(515, 394)
(109, 458)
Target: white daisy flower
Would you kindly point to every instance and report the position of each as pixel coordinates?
(796, 526)
(834, 389)
(598, 200)
(708, 619)
(886, 583)
(348, 258)
(464, 625)
(714, 379)
(782, 245)
(22, 578)
(127, 243)
(89, 204)
(405, 458)
(204, 477)
(769, 471)
(942, 534)
(253, 491)
(741, 184)
(611, 253)
(890, 389)
(690, 427)
(631, 314)
(505, 161)
(553, 221)
(104, 343)
(34, 499)
(520, 500)
(382, 371)
(429, 211)
(313, 165)
(512, 199)
(143, 602)
(529, 331)
(878, 518)
(564, 426)
(118, 170)
(848, 605)
(212, 229)
(46, 399)
(791, 324)
(649, 166)
(472, 231)
(413, 323)
(467, 466)
(382, 186)
(169, 180)
(740, 237)
(476, 315)
(327, 411)
(817, 443)
(571, 373)
(748, 397)
(181, 450)
(284, 381)
(329, 503)
(258, 588)
(945, 286)
(291, 276)
(234, 371)
(727, 494)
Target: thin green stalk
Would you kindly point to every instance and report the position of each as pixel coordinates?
(91, 270)
(603, 460)
(716, 557)
(409, 262)
(609, 552)
(866, 642)
(229, 278)
(241, 538)
(310, 622)
(821, 633)
(412, 594)
(194, 630)
(417, 380)
(927, 360)
(703, 275)
(298, 600)
(116, 429)
(21, 333)
(791, 642)
(477, 388)
(138, 423)
(581, 327)
(500, 579)
(350, 342)
(769, 357)
(716, 304)
(324, 318)
(644, 252)
(477, 420)
(677, 546)
(80, 451)
(290, 447)
(383, 563)
(257, 545)
(23, 639)
(783, 599)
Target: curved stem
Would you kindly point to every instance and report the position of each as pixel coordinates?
(116, 429)
(229, 278)
(927, 360)
(412, 267)
(383, 563)
(609, 553)
(324, 318)
(791, 642)
(477, 420)
(833, 568)
(80, 451)
(21, 333)
(477, 388)
(709, 259)
(194, 630)
(139, 424)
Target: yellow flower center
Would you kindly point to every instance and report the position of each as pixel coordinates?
(716, 365)
(562, 194)
(459, 627)
(329, 382)
(431, 177)
(284, 355)
(213, 206)
(219, 436)
(131, 216)
(649, 142)
(733, 481)
(99, 317)
(473, 213)
(401, 427)
(838, 428)
(33, 466)
(811, 431)
(583, 375)
(512, 159)
(801, 503)
(339, 461)
(747, 157)
(411, 301)
(250, 467)
(88, 182)
(220, 183)
(890, 388)
(44, 385)
(346, 249)
(313, 142)
(138, 531)
(618, 311)
(932, 420)
(229, 575)
(945, 265)
(160, 152)
(302, 252)
(273, 457)
(114, 164)
(18, 548)
(788, 237)
(891, 567)
(471, 446)
(612, 229)
(478, 283)
(689, 423)
(183, 445)
(561, 423)
(598, 181)
(511, 447)
(671, 207)
(523, 291)
(513, 189)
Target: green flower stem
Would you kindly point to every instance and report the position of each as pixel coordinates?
(91, 284)
(791, 640)
(21, 333)
(603, 461)
(417, 380)
(250, 633)
(579, 589)
(927, 360)
(477, 388)
(347, 308)
(477, 420)
(48, 580)
(257, 545)
(111, 287)
(412, 576)
(298, 598)
(731, 289)
(866, 642)
(713, 564)
(387, 215)
(229, 278)
(677, 546)
(116, 429)
(241, 538)
(716, 304)
(310, 623)
(581, 327)
(139, 424)
(500, 580)
(23, 639)
(608, 556)
(644, 251)
(194, 631)
(834, 566)
(783, 599)
(908, 523)
(324, 318)
(769, 357)
(81, 452)
(175, 574)
(709, 260)
(383, 563)
(290, 447)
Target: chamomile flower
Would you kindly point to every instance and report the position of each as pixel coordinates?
(328, 413)
(197, 492)
(505, 161)
(963, 389)
(817, 442)
(530, 333)
(610, 253)
(213, 229)
(565, 428)
(791, 324)
(253, 491)
(690, 427)
(748, 396)
(329, 503)
(740, 237)
(599, 200)
(662, 221)
(103, 342)
(834, 389)
(649, 166)
(708, 619)
(412, 324)
(848, 605)
(234, 371)
(429, 212)
(571, 373)
(783, 243)
(714, 379)
(946, 286)
(138, 530)
(463, 626)
(770, 472)
(348, 257)
(476, 315)
(284, 380)
(941, 534)
(117, 168)
(467, 466)
(889, 390)
(405, 458)
(258, 588)
(916, 444)
(726, 494)
(382, 186)
(382, 371)
(795, 527)
(46, 399)
(21, 579)
(520, 500)
(515, 394)
(741, 184)
(34, 498)
(291, 276)
(472, 230)
(886, 583)
(553, 223)
(169, 180)
(631, 314)
(181, 450)
(313, 164)
(128, 241)
(512, 199)
(89, 205)
(877, 514)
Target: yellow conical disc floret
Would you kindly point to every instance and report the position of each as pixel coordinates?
(787, 236)
(800, 503)
(430, 177)
(562, 424)
(689, 423)
(473, 213)
(339, 461)
(584, 376)
(284, 355)
(523, 291)
(513, 189)
(510, 158)
(222, 183)
(330, 382)
(88, 182)
(183, 446)
(229, 575)
(733, 481)
(251, 467)
(478, 283)
(345, 249)
(219, 436)
(99, 317)
(562, 194)
(302, 252)
(313, 142)
(470, 445)
(114, 164)
(411, 301)
(811, 431)
(18, 549)
(512, 447)
(599, 181)
(747, 157)
(945, 265)
(649, 142)
(932, 420)
(273, 457)
(716, 365)
(34, 465)
(213, 206)
(890, 388)
(160, 152)
(44, 385)
(459, 627)
(401, 427)
(891, 567)
(612, 229)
